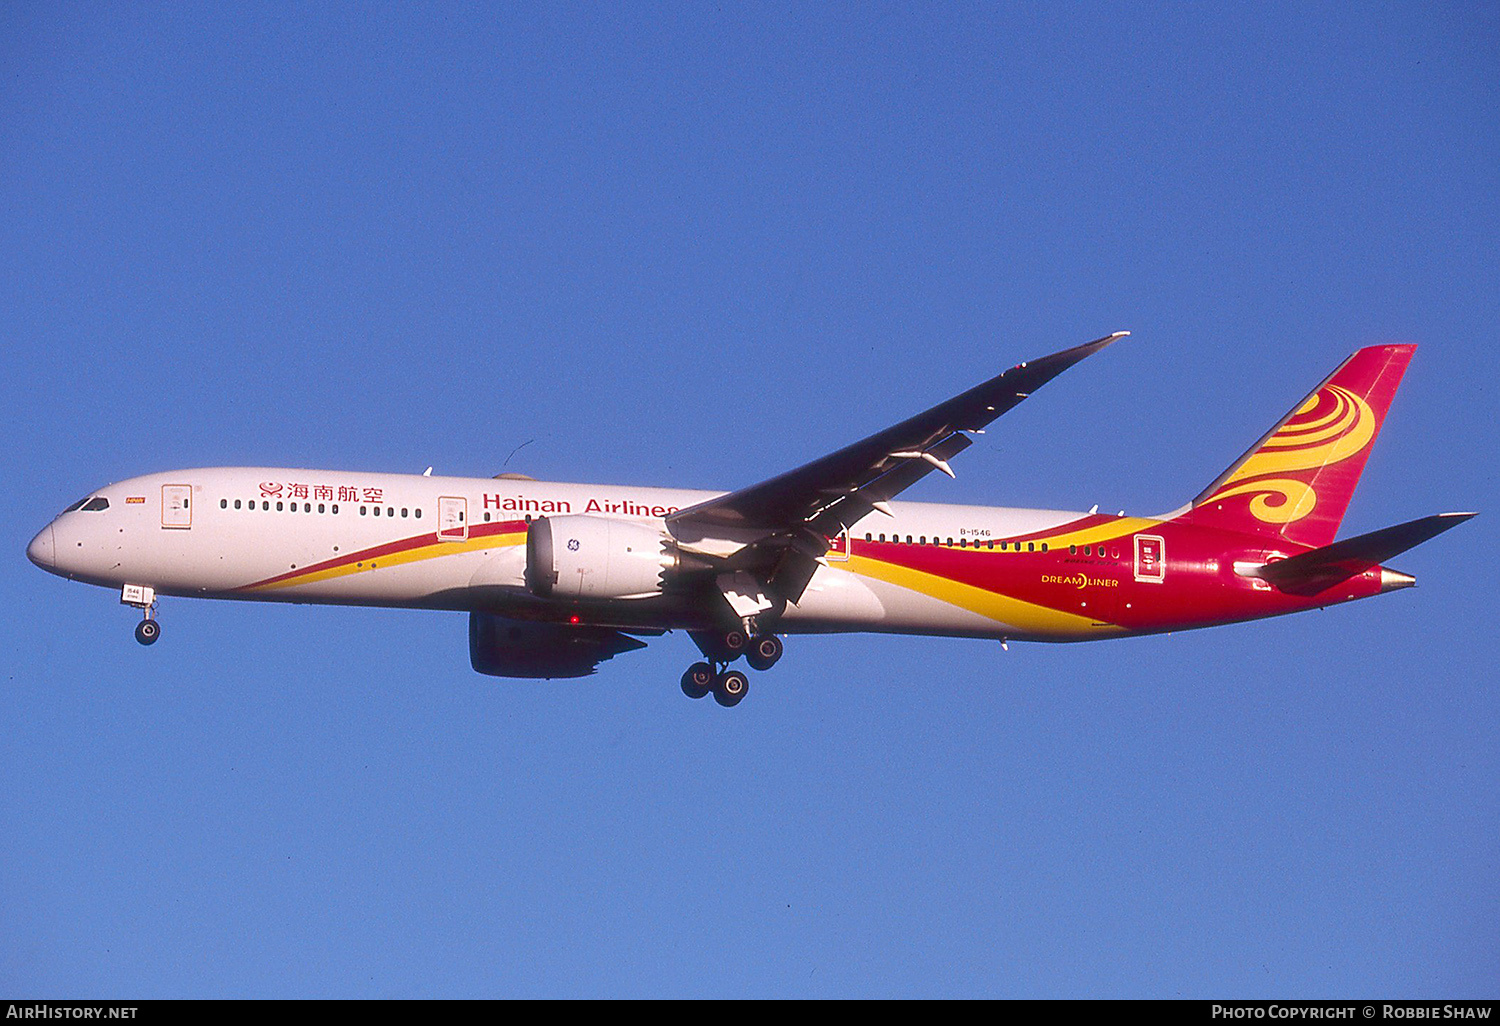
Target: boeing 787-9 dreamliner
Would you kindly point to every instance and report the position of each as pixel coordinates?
(557, 578)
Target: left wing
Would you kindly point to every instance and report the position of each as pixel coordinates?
(788, 519)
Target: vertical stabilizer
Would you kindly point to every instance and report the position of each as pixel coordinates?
(1296, 482)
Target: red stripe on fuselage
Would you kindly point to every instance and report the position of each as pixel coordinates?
(386, 549)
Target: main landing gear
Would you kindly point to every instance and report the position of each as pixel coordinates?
(729, 687)
(763, 652)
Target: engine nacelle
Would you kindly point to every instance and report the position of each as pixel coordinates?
(581, 557)
(502, 647)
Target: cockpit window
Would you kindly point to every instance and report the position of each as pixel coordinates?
(95, 504)
(77, 504)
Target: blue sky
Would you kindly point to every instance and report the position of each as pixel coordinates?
(696, 245)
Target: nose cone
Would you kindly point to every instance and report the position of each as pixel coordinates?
(43, 549)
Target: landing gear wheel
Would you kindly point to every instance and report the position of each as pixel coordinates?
(733, 644)
(147, 631)
(730, 688)
(698, 680)
(764, 650)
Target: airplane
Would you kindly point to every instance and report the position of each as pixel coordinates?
(558, 578)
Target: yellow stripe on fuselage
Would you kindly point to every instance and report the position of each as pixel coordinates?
(414, 555)
(1024, 616)
(1117, 528)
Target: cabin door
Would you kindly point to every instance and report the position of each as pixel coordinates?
(1150, 559)
(838, 548)
(453, 519)
(177, 506)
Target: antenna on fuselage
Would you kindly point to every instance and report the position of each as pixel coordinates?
(516, 450)
(427, 472)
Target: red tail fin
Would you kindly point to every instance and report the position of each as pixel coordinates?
(1296, 482)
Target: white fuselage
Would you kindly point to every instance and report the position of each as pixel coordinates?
(295, 535)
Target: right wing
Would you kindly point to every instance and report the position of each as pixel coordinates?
(788, 519)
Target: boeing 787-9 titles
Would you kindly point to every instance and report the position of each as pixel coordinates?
(557, 578)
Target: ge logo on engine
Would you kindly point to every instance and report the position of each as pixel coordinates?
(572, 544)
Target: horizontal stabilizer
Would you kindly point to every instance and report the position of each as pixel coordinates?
(1310, 572)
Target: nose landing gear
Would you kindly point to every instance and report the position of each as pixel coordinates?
(144, 599)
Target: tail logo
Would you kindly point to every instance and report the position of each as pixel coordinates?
(1332, 426)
